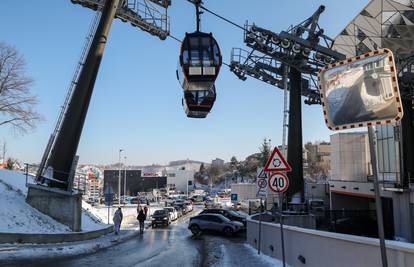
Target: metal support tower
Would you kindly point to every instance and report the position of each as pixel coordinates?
(66, 144)
(58, 159)
(294, 155)
(304, 49)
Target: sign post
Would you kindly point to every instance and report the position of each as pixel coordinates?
(278, 183)
(109, 198)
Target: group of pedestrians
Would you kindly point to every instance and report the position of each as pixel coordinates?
(141, 217)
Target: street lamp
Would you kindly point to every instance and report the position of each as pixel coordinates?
(119, 177)
(125, 158)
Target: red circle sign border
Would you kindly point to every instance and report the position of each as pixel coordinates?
(260, 183)
(284, 176)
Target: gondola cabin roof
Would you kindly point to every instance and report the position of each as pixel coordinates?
(200, 57)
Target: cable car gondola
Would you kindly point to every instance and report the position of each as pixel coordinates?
(198, 103)
(200, 61)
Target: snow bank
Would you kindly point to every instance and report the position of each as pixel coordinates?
(267, 260)
(23, 218)
(9, 253)
(19, 217)
(17, 180)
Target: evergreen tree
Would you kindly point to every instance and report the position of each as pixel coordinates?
(233, 163)
(265, 151)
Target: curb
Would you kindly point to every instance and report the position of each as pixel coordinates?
(14, 254)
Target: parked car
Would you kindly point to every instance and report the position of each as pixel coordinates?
(160, 217)
(229, 214)
(172, 212)
(213, 222)
(179, 210)
(189, 206)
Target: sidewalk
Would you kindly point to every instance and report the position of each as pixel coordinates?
(13, 253)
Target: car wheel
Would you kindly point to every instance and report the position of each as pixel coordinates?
(228, 231)
(195, 229)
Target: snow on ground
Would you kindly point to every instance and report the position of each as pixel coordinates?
(19, 217)
(26, 253)
(234, 252)
(264, 258)
(22, 218)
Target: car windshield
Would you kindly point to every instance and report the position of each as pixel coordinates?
(233, 213)
(159, 212)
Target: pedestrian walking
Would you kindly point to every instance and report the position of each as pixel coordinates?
(146, 210)
(117, 220)
(141, 218)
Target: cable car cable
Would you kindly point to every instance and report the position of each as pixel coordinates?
(178, 40)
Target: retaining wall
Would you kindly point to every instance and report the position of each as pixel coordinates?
(320, 248)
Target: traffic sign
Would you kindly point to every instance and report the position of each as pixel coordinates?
(109, 196)
(278, 182)
(261, 173)
(277, 163)
(262, 183)
(233, 197)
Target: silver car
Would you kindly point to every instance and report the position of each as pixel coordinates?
(213, 222)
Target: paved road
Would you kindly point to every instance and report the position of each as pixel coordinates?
(172, 246)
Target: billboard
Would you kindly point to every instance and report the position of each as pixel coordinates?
(361, 91)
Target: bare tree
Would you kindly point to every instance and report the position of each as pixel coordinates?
(16, 102)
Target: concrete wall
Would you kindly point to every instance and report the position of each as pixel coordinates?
(62, 206)
(320, 248)
(52, 238)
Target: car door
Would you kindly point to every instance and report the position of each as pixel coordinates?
(216, 223)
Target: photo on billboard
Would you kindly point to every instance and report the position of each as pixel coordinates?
(361, 91)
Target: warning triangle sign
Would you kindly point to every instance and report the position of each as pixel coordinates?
(277, 163)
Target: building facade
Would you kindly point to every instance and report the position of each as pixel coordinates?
(134, 180)
(181, 180)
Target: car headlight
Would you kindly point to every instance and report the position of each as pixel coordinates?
(165, 218)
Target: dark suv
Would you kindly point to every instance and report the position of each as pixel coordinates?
(160, 217)
(229, 214)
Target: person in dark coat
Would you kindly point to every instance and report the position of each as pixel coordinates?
(141, 218)
(146, 210)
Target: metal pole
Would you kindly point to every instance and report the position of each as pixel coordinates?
(67, 140)
(108, 213)
(260, 227)
(27, 172)
(378, 202)
(281, 227)
(125, 195)
(119, 177)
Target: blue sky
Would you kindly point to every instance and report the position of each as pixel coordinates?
(136, 103)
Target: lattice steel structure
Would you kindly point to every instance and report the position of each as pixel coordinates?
(148, 15)
(303, 49)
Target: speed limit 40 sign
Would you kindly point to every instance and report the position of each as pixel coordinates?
(278, 182)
